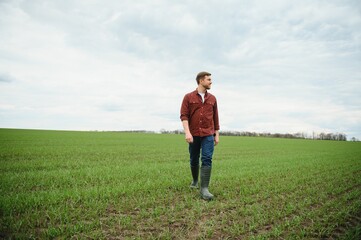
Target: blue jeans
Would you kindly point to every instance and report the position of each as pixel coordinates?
(207, 146)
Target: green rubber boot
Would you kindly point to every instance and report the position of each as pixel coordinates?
(205, 179)
(195, 174)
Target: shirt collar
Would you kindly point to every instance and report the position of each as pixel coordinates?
(196, 92)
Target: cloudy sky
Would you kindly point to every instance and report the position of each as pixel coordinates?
(277, 66)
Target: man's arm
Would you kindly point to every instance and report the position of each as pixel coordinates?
(184, 117)
(188, 135)
(216, 124)
(216, 137)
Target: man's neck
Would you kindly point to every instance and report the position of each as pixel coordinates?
(201, 89)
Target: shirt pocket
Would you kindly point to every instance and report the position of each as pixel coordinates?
(194, 106)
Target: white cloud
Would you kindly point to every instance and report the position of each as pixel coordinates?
(279, 67)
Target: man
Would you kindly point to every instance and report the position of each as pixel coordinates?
(199, 115)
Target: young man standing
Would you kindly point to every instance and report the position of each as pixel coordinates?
(199, 115)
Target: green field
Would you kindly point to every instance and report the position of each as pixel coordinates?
(108, 185)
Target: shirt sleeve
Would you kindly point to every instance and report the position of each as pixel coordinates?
(215, 117)
(184, 111)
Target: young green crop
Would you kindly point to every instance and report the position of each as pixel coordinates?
(107, 185)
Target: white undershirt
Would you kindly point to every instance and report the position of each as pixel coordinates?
(202, 95)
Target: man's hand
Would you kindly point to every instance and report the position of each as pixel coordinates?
(189, 137)
(216, 138)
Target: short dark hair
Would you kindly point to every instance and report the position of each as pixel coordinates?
(201, 75)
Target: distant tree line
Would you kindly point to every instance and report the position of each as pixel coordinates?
(163, 131)
(135, 131)
(299, 135)
(332, 136)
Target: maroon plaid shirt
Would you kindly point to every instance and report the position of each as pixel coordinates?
(202, 117)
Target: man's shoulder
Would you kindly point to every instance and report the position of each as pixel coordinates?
(191, 93)
(210, 95)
